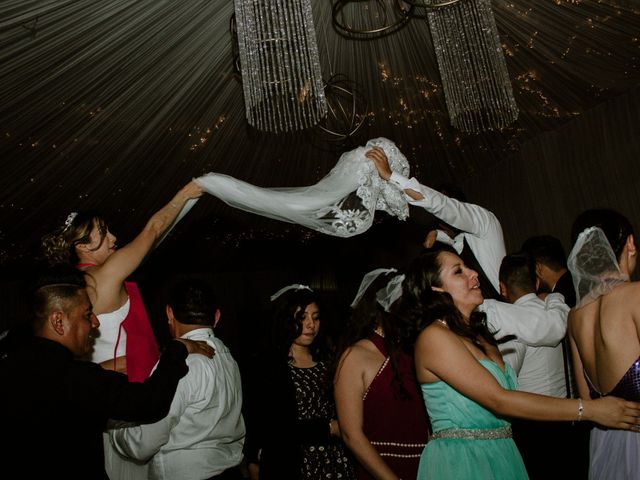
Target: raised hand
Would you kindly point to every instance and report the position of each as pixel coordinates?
(380, 160)
(191, 190)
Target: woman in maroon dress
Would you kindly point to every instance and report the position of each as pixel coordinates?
(380, 409)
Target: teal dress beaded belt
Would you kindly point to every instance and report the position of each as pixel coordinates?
(474, 434)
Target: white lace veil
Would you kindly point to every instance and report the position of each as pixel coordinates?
(593, 266)
(343, 203)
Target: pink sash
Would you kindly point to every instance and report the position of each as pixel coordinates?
(142, 348)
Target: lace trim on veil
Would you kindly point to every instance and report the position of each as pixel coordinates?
(593, 266)
(342, 204)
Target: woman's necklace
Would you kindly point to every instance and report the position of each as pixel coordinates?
(379, 331)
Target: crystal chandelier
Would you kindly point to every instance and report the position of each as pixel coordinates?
(280, 65)
(472, 66)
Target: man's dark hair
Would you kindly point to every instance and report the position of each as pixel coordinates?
(56, 284)
(193, 302)
(547, 250)
(516, 273)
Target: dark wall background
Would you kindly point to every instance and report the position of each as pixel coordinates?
(592, 161)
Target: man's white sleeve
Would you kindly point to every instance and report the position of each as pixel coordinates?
(482, 230)
(535, 327)
(142, 442)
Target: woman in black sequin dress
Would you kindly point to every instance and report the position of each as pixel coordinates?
(292, 431)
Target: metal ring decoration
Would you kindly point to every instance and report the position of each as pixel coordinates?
(347, 112)
(349, 32)
(431, 5)
(424, 7)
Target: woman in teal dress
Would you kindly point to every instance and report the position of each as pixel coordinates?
(469, 391)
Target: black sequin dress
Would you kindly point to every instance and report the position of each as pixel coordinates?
(314, 400)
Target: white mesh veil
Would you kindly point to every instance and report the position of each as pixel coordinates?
(343, 203)
(593, 266)
(386, 295)
(367, 280)
(390, 293)
(294, 286)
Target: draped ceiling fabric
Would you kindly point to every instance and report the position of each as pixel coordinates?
(114, 105)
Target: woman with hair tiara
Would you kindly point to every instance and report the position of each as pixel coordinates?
(382, 417)
(468, 390)
(604, 331)
(292, 432)
(126, 342)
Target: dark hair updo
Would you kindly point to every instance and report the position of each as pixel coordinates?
(615, 226)
(59, 245)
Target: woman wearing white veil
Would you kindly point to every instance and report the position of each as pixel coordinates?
(604, 331)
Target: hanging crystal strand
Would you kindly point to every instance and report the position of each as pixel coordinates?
(278, 68)
(472, 66)
(282, 80)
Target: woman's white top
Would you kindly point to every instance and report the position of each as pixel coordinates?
(105, 343)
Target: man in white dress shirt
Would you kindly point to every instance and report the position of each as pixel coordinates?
(202, 437)
(540, 370)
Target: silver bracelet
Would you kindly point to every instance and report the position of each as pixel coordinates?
(580, 409)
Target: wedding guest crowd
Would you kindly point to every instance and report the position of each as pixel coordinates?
(466, 363)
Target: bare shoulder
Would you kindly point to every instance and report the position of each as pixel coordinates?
(436, 337)
(359, 363)
(357, 352)
(631, 288)
(363, 351)
(435, 348)
(436, 331)
(623, 299)
(577, 317)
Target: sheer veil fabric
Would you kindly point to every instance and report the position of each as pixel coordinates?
(367, 280)
(593, 266)
(343, 203)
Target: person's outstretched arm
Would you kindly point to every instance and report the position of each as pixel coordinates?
(484, 232)
(106, 280)
(442, 355)
(124, 261)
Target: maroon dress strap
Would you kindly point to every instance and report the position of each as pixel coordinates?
(378, 341)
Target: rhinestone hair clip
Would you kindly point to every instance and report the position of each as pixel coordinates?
(70, 218)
